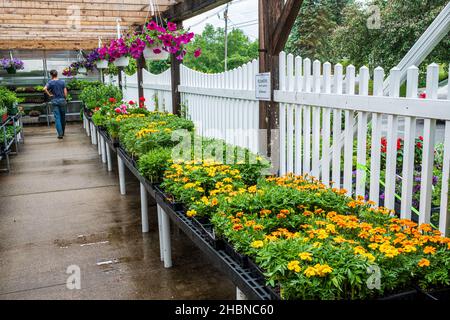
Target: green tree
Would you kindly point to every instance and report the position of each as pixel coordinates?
(402, 23)
(240, 50)
(313, 29)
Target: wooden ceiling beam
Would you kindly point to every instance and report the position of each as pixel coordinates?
(5, 12)
(190, 8)
(88, 6)
(75, 44)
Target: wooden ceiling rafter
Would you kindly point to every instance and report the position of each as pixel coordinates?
(48, 23)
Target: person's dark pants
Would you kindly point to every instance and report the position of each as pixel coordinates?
(59, 112)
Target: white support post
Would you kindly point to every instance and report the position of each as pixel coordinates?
(99, 144)
(121, 166)
(103, 146)
(144, 209)
(161, 240)
(94, 134)
(240, 295)
(165, 226)
(108, 157)
(88, 128)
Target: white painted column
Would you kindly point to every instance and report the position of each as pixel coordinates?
(99, 143)
(161, 243)
(94, 134)
(240, 295)
(88, 128)
(121, 166)
(103, 146)
(167, 247)
(108, 157)
(144, 209)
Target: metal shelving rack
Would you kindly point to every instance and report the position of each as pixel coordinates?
(17, 139)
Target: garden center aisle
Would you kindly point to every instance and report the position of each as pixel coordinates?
(60, 207)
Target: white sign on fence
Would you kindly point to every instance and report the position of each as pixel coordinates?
(263, 88)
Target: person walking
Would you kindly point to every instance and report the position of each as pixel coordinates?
(57, 91)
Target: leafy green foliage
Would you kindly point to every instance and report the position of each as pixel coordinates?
(153, 164)
(212, 42)
(336, 31)
(9, 99)
(97, 95)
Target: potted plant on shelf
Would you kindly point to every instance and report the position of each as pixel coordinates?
(12, 65)
(119, 52)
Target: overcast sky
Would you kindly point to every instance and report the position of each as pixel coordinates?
(242, 14)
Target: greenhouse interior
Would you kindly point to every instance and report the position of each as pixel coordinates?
(225, 150)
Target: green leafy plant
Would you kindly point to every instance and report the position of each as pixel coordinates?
(95, 96)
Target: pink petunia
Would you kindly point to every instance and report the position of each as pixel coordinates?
(197, 52)
(171, 26)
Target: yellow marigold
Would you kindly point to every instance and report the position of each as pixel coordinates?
(429, 250)
(359, 250)
(317, 244)
(257, 244)
(191, 213)
(305, 256)
(258, 227)
(294, 265)
(310, 272)
(252, 189)
(339, 239)
(250, 223)
(323, 270)
(423, 263)
(373, 246)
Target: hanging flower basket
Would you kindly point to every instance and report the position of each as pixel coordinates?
(155, 53)
(122, 61)
(11, 65)
(102, 64)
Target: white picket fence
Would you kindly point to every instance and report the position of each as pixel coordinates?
(323, 115)
(223, 105)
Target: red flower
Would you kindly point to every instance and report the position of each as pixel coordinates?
(399, 143)
(419, 145)
(142, 99)
(422, 95)
(197, 52)
(131, 102)
(112, 100)
(420, 138)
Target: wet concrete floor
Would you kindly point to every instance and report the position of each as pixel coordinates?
(59, 208)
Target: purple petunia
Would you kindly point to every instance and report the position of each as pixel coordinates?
(12, 63)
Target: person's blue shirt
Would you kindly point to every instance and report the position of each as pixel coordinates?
(56, 88)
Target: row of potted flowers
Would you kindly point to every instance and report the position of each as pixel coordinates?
(154, 42)
(307, 240)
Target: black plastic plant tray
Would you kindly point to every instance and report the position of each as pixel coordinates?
(177, 206)
(241, 259)
(207, 229)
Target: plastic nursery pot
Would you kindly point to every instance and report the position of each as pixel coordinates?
(122, 61)
(149, 54)
(102, 64)
(11, 70)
